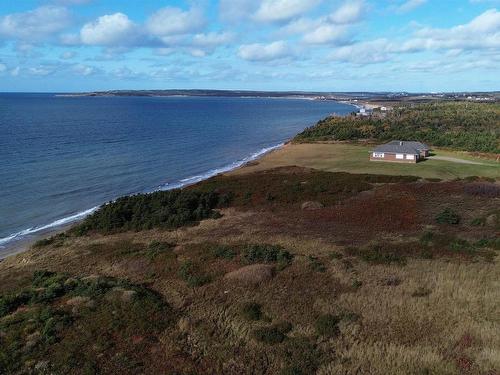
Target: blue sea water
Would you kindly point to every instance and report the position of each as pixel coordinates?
(60, 157)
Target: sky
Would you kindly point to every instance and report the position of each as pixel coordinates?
(306, 45)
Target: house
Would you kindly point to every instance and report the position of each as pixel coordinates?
(365, 111)
(400, 152)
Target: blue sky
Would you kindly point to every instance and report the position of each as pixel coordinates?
(325, 45)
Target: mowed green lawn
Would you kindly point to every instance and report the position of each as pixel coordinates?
(355, 159)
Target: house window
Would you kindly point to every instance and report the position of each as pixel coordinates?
(409, 157)
(378, 154)
(400, 156)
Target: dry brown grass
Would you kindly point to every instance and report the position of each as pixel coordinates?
(436, 316)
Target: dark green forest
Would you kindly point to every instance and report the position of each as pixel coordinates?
(454, 125)
(162, 209)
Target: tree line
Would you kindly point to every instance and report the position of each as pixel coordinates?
(456, 125)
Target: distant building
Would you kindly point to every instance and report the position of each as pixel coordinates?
(400, 152)
(365, 112)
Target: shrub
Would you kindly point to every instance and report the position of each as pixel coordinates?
(427, 238)
(421, 292)
(356, 284)
(224, 251)
(267, 253)
(316, 265)
(301, 357)
(56, 240)
(156, 248)
(448, 216)
(44, 242)
(10, 302)
(47, 330)
(493, 243)
(268, 335)
(190, 275)
(284, 327)
(478, 222)
(336, 255)
(327, 325)
(226, 199)
(164, 209)
(460, 245)
(377, 253)
(273, 334)
(251, 311)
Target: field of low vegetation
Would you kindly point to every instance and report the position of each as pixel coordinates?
(282, 271)
(454, 125)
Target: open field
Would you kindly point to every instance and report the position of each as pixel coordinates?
(375, 276)
(353, 158)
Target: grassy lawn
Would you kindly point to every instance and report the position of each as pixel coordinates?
(354, 159)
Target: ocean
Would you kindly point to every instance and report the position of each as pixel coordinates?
(61, 157)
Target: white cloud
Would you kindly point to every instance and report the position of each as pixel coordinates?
(67, 55)
(370, 52)
(234, 10)
(410, 5)
(301, 25)
(174, 21)
(264, 52)
(83, 70)
(108, 30)
(3, 68)
(326, 33)
(212, 39)
(35, 24)
(482, 32)
(282, 10)
(41, 70)
(15, 72)
(349, 12)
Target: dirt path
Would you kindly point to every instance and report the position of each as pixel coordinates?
(456, 160)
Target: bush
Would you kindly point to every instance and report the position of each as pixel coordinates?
(156, 248)
(268, 335)
(460, 245)
(190, 275)
(377, 254)
(48, 329)
(493, 243)
(336, 255)
(478, 222)
(267, 253)
(164, 209)
(316, 264)
(301, 357)
(251, 311)
(327, 325)
(421, 292)
(273, 334)
(448, 216)
(223, 251)
(56, 240)
(284, 327)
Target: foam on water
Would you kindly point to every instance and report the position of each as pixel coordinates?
(168, 186)
(57, 223)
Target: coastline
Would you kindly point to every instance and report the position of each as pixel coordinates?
(22, 241)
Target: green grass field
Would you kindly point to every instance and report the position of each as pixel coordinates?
(354, 159)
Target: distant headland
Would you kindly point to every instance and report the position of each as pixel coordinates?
(386, 97)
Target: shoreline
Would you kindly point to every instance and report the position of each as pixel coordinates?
(23, 240)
